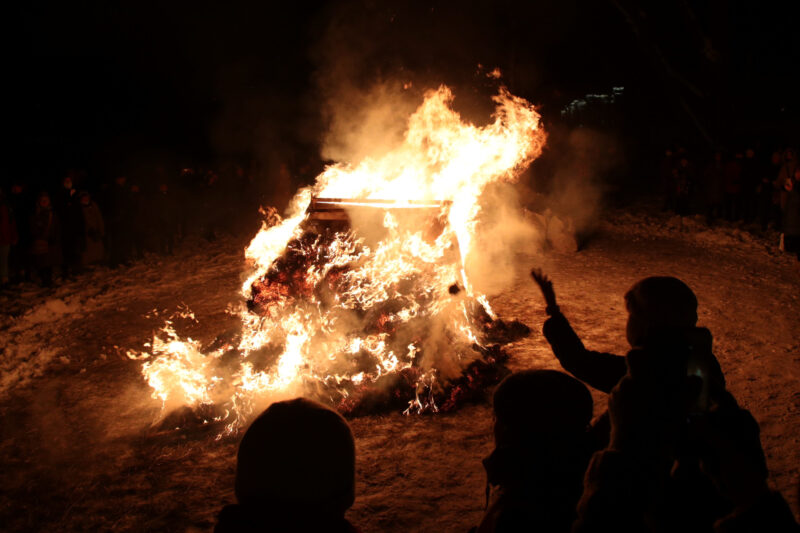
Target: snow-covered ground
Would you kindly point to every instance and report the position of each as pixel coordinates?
(78, 448)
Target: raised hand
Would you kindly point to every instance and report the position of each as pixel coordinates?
(546, 286)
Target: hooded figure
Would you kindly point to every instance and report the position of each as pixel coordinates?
(542, 448)
(295, 472)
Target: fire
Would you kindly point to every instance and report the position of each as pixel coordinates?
(336, 309)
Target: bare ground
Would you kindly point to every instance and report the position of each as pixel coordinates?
(78, 451)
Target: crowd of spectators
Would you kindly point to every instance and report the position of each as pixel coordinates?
(674, 451)
(749, 186)
(51, 234)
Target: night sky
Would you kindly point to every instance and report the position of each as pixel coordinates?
(109, 86)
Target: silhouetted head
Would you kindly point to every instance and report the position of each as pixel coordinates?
(658, 304)
(298, 457)
(540, 406)
(749, 153)
(776, 158)
(67, 182)
(120, 180)
(84, 198)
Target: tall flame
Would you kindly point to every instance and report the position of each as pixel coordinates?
(339, 311)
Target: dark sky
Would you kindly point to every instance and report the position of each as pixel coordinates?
(102, 85)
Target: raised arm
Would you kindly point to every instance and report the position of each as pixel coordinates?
(597, 369)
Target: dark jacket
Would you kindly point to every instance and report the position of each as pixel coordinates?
(243, 519)
(8, 226)
(534, 489)
(45, 237)
(791, 211)
(604, 370)
(597, 369)
(626, 495)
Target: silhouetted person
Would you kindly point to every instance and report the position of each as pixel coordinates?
(769, 200)
(72, 231)
(733, 187)
(8, 237)
(45, 239)
(785, 175)
(685, 185)
(542, 448)
(21, 205)
(658, 411)
(94, 230)
(654, 304)
(295, 472)
(791, 215)
(119, 223)
(713, 187)
(750, 183)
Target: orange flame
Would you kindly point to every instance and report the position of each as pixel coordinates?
(332, 342)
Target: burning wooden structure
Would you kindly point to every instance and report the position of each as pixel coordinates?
(361, 295)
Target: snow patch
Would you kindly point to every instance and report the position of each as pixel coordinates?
(23, 362)
(49, 311)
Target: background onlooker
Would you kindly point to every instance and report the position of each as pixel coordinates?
(8, 236)
(791, 214)
(45, 239)
(94, 231)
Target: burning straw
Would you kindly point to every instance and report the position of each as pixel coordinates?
(362, 294)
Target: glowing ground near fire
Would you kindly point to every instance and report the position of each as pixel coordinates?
(79, 452)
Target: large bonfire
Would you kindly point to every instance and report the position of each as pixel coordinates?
(375, 305)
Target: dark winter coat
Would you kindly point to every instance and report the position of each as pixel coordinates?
(21, 208)
(713, 183)
(243, 519)
(45, 238)
(604, 370)
(71, 218)
(534, 490)
(626, 494)
(733, 177)
(597, 369)
(94, 232)
(750, 176)
(8, 226)
(119, 208)
(785, 174)
(791, 211)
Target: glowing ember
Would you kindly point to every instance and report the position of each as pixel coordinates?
(369, 298)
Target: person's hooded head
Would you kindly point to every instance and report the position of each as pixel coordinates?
(659, 305)
(539, 408)
(297, 461)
